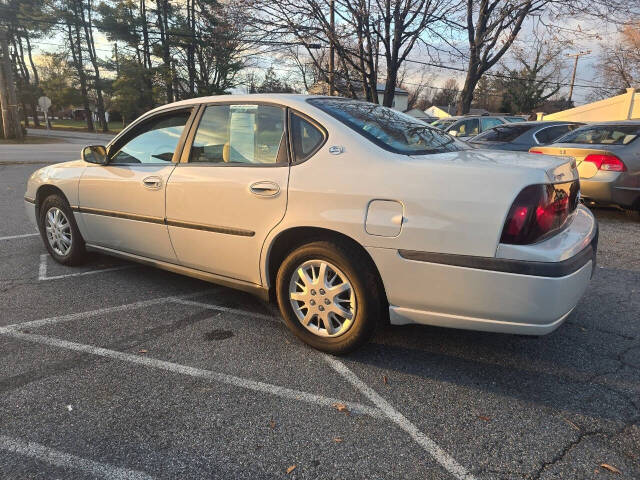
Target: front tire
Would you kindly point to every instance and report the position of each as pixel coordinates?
(59, 231)
(330, 296)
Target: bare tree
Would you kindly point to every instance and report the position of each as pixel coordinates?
(492, 26)
(372, 38)
(618, 64)
(537, 76)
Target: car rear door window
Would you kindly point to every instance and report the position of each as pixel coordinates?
(305, 137)
(240, 134)
(153, 141)
(487, 123)
(549, 134)
(503, 133)
(603, 135)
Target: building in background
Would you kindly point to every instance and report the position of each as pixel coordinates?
(620, 107)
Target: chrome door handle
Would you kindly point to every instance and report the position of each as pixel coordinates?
(265, 189)
(153, 183)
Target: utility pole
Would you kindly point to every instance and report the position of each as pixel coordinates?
(8, 100)
(332, 52)
(575, 67)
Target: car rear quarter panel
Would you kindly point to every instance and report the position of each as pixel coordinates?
(450, 205)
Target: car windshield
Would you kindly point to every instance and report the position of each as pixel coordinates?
(502, 133)
(602, 135)
(515, 119)
(388, 128)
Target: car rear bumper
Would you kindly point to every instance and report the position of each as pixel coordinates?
(609, 188)
(493, 294)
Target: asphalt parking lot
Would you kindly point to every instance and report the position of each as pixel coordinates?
(119, 371)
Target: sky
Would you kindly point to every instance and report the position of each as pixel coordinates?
(586, 73)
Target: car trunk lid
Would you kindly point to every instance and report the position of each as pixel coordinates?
(586, 170)
(557, 168)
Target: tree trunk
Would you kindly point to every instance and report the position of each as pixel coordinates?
(34, 110)
(88, 29)
(466, 96)
(166, 52)
(76, 52)
(10, 119)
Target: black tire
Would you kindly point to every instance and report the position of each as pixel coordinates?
(77, 253)
(362, 275)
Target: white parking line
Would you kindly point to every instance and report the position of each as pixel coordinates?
(238, 311)
(42, 270)
(66, 460)
(100, 311)
(382, 409)
(12, 237)
(245, 383)
(431, 447)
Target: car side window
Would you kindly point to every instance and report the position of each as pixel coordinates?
(240, 134)
(490, 122)
(548, 135)
(153, 141)
(467, 127)
(305, 136)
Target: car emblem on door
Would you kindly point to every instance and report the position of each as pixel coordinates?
(336, 150)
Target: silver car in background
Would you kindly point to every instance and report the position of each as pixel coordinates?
(608, 159)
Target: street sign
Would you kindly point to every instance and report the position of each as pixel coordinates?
(44, 103)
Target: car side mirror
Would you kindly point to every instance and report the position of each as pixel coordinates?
(95, 154)
(453, 133)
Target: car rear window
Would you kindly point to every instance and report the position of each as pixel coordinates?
(390, 129)
(502, 133)
(550, 134)
(603, 135)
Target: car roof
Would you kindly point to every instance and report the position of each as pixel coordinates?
(615, 122)
(288, 99)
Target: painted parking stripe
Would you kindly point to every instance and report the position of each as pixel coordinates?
(382, 409)
(431, 447)
(65, 460)
(42, 270)
(244, 383)
(100, 311)
(12, 237)
(211, 306)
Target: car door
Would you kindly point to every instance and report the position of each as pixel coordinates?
(229, 189)
(122, 203)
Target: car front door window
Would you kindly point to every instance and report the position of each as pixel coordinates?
(153, 141)
(467, 128)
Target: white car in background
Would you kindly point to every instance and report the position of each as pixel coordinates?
(349, 214)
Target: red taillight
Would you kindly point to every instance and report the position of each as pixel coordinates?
(607, 162)
(534, 151)
(539, 210)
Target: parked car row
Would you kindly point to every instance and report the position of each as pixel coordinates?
(468, 126)
(607, 154)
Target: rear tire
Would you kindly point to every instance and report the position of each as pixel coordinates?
(352, 316)
(59, 231)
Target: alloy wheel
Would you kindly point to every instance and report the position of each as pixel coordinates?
(322, 298)
(58, 231)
